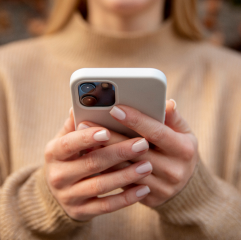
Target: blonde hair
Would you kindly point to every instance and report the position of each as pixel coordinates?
(183, 13)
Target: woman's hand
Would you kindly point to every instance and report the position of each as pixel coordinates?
(68, 174)
(173, 158)
(175, 154)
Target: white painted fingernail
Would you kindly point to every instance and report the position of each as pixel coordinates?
(82, 126)
(175, 104)
(140, 145)
(144, 168)
(143, 191)
(117, 113)
(101, 136)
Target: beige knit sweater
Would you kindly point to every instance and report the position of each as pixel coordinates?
(34, 102)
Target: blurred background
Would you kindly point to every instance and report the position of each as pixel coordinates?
(21, 19)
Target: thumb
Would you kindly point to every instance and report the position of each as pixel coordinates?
(68, 125)
(173, 118)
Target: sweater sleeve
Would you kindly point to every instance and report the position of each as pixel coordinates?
(207, 208)
(28, 210)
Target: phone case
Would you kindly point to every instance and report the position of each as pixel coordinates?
(141, 88)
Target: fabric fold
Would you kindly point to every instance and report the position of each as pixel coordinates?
(26, 196)
(204, 204)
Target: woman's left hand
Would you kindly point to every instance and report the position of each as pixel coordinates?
(174, 156)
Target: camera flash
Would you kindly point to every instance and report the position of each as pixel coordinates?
(105, 85)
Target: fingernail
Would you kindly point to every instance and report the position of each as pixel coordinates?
(143, 191)
(140, 145)
(144, 168)
(175, 104)
(82, 126)
(117, 113)
(101, 136)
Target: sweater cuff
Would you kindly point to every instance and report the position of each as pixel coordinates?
(43, 213)
(199, 193)
(27, 205)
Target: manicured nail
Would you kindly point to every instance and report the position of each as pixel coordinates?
(101, 136)
(117, 113)
(82, 126)
(144, 168)
(143, 191)
(140, 145)
(175, 104)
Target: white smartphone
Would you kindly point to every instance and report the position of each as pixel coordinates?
(95, 91)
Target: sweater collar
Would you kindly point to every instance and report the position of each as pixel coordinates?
(80, 43)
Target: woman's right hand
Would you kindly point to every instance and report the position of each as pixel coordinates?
(68, 174)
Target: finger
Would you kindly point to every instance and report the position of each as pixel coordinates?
(104, 158)
(162, 165)
(99, 206)
(108, 182)
(63, 147)
(115, 137)
(68, 125)
(71, 113)
(155, 132)
(165, 167)
(100, 160)
(119, 166)
(170, 172)
(70, 172)
(161, 189)
(174, 119)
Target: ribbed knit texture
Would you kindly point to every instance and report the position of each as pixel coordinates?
(35, 99)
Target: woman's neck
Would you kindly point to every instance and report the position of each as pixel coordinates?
(125, 18)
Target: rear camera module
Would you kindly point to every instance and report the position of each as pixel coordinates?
(89, 101)
(96, 94)
(87, 87)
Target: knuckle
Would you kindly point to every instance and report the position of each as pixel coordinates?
(55, 179)
(65, 145)
(122, 153)
(151, 201)
(72, 212)
(105, 206)
(167, 192)
(63, 198)
(91, 163)
(85, 138)
(127, 177)
(126, 200)
(48, 154)
(98, 186)
(155, 136)
(83, 213)
(188, 151)
(176, 176)
(69, 196)
(134, 121)
(80, 211)
(76, 212)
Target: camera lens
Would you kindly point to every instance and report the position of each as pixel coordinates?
(89, 101)
(87, 87)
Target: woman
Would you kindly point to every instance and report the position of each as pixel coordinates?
(169, 193)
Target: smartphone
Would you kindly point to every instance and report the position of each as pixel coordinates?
(95, 91)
